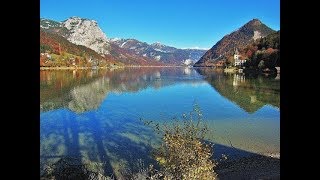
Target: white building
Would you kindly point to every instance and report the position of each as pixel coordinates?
(46, 54)
(237, 60)
(188, 62)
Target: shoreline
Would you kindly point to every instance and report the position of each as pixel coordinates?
(111, 68)
(75, 68)
(272, 155)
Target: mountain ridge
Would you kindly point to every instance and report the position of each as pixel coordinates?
(158, 51)
(241, 37)
(86, 32)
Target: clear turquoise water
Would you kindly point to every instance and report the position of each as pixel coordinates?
(96, 115)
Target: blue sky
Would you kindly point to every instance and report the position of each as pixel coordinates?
(179, 23)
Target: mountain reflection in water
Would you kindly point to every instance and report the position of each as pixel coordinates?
(95, 115)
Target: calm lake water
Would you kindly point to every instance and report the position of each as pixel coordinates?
(96, 115)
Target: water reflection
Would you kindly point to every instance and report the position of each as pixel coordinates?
(249, 92)
(95, 115)
(187, 70)
(238, 78)
(55, 86)
(83, 90)
(89, 96)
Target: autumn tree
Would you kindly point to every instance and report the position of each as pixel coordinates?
(45, 48)
(77, 61)
(249, 53)
(230, 61)
(42, 61)
(269, 50)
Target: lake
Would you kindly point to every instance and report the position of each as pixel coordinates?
(98, 115)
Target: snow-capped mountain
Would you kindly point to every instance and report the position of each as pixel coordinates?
(163, 48)
(158, 51)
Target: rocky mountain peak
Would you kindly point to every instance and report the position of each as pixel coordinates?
(157, 45)
(47, 23)
(254, 25)
(251, 31)
(86, 32)
(255, 22)
(75, 22)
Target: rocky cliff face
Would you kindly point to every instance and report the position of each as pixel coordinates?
(87, 33)
(246, 34)
(81, 31)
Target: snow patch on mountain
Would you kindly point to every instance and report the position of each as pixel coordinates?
(114, 39)
(157, 58)
(159, 50)
(123, 44)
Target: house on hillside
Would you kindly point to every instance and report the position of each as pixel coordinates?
(237, 59)
(46, 55)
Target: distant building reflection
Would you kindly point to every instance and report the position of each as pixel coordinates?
(187, 71)
(249, 92)
(74, 73)
(253, 99)
(157, 75)
(238, 78)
